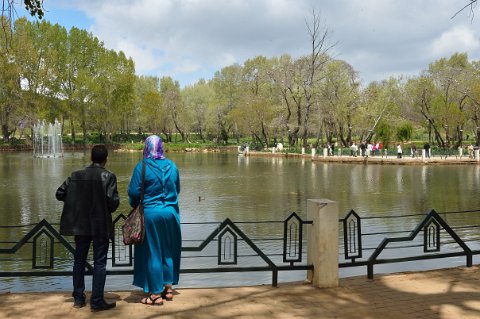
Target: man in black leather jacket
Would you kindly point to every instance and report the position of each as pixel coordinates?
(90, 197)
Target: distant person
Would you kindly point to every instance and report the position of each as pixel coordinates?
(399, 151)
(353, 149)
(279, 147)
(90, 197)
(157, 260)
(470, 151)
(369, 149)
(426, 147)
(362, 148)
(414, 150)
(243, 147)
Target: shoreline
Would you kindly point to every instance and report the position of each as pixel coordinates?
(345, 159)
(379, 160)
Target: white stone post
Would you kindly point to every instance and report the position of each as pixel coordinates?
(322, 236)
(247, 149)
(313, 152)
(325, 152)
(476, 155)
(273, 150)
(423, 154)
(303, 150)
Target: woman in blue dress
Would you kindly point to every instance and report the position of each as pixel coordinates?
(157, 259)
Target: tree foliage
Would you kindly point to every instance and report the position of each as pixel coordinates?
(404, 132)
(51, 73)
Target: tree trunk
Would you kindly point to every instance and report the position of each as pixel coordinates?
(264, 133)
(72, 129)
(5, 132)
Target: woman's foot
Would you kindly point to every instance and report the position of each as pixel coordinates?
(152, 300)
(167, 294)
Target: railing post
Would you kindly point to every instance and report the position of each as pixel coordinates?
(322, 250)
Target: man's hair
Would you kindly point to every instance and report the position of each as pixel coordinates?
(99, 153)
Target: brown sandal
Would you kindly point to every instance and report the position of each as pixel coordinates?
(153, 301)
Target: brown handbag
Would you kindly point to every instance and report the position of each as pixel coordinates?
(133, 228)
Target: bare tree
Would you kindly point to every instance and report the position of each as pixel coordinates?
(314, 64)
(471, 4)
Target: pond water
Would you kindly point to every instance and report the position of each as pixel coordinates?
(215, 186)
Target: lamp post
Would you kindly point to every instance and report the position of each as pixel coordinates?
(429, 130)
(446, 134)
(477, 135)
(350, 134)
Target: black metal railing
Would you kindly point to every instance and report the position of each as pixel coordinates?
(230, 240)
(364, 242)
(430, 238)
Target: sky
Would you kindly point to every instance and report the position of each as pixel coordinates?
(192, 39)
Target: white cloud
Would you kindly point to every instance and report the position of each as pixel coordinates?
(191, 39)
(458, 39)
(145, 60)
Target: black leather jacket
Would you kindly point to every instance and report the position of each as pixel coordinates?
(90, 197)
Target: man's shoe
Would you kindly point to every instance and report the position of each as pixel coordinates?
(102, 306)
(79, 304)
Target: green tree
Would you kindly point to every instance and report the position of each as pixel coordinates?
(226, 84)
(339, 101)
(148, 104)
(256, 112)
(172, 103)
(283, 75)
(78, 77)
(112, 93)
(7, 18)
(473, 107)
(198, 100)
(450, 78)
(384, 132)
(404, 132)
(10, 91)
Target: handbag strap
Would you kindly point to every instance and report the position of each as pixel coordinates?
(142, 188)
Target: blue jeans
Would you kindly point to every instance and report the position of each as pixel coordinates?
(100, 250)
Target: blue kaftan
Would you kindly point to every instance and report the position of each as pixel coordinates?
(157, 259)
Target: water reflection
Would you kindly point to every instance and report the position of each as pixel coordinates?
(399, 178)
(245, 188)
